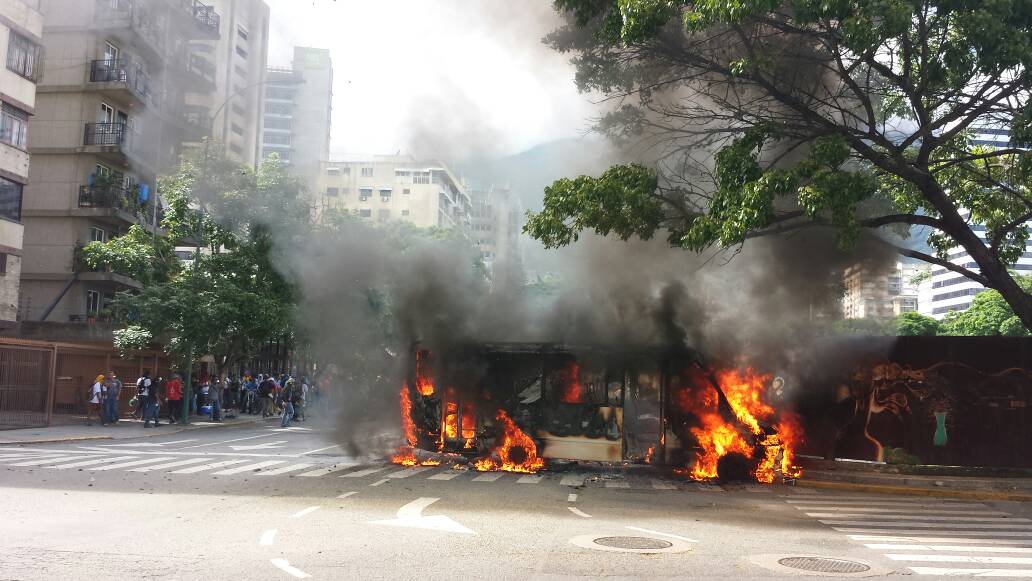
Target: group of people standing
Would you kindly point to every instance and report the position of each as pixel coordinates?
(268, 394)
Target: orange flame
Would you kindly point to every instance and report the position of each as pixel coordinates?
(573, 392)
(469, 425)
(424, 380)
(451, 420)
(406, 455)
(516, 452)
(717, 437)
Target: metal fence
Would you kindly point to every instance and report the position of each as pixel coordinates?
(25, 386)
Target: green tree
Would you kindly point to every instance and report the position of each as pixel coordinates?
(916, 325)
(989, 314)
(770, 116)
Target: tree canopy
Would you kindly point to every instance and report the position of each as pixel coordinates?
(988, 314)
(762, 117)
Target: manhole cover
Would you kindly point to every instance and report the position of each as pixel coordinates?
(822, 565)
(636, 543)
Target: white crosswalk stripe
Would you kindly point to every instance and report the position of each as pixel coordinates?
(93, 462)
(967, 538)
(662, 485)
(327, 470)
(166, 465)
(248, 467)
(704, 487)
(617, 484)
(211, 466)
(450, 474)
(407, 472)
(530, 479)
(488, 477)
(361, 473)
(572, 480)
(50, 460)
(121, 465)
(284, 470)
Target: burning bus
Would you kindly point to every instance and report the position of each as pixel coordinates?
(517, 406)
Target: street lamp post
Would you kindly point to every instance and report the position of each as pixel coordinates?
(188, 376)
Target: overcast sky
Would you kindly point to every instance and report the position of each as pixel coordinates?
(447, 78)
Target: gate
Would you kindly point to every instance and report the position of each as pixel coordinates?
(25, 386)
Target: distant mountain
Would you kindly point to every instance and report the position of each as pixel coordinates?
(527, 173)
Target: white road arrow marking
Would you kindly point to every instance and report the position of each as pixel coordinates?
(265, 446)
(147, 444)
(411, 516)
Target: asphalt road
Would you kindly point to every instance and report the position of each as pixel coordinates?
(258, 502)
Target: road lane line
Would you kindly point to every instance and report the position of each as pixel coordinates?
(617, 484)
(488, 477)
(284, 470)
(896, 503)
(530, 479)
(327, 470)
(858, 509)
(319, 450)
(924, 525)
(248, 467)
(285, 566)
(90, 462)
(578, 512)
(175, 464)
(51, 460)
(361, 473)
(925, 558)
(379, 482)
(572, 480)
(203, 467)
(447, 475)
(953, 548)
(571, 498)
(950, 572)
(897, 532)
(661, 485)
(133, 463)
(407, 472)
(224, 442)
(908, 539)
(651, 532)
(920, 517)
(347, 494)
(303, 512)
(267, 538)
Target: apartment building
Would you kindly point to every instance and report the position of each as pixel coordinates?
(384, 188)
(299, 111)
(495, 224)
(110, 114)
(876, 291)
(238, 60)
(948, 291)
(21, 49)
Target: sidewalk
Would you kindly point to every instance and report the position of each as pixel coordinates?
(74, 429)
(946, 481)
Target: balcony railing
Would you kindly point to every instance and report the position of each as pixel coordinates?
(106, 134)
(201, 67)
(207, 17)
(108, 196)
(132, 14)
(123, 72)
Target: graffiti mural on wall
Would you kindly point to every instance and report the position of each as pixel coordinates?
(944, 413)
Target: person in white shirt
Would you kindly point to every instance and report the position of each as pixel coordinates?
(96, 394)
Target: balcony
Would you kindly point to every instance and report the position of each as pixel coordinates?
(108, 196)
(126, 75)
(107, 134)
(207, 19)
(135, 16)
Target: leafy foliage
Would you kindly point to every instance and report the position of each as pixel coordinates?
(769, 116)
(916, 325)
(988, 314)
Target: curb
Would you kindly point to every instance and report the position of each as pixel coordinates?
(910, 490)
(195, 426)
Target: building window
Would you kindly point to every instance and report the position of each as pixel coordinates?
(10, 200)
(332, 191)
(280, 93)
(241, 52)
(277, 139)
(14, 126)
(241, 32)
(385, 194)
(333, 171)
(276, 123)
(279, 108)
(404, 212)
(236, 149)
(236, 128)
(383, 215)
(406, 191)
(364, 193)
(24, 57)
(367, 172)
(365, 213)
(92, 303)
(240, 70)
(98, 234)
(420, 177)
(239, 110)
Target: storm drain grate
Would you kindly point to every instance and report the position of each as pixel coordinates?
(822, 565)
(636, 543)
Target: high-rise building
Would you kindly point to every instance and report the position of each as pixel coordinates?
(239, 57)
(385, 188)
(21, 49)
(495, 224)
(298, 112)
(949, 291)
(875, 291)
(110, 114)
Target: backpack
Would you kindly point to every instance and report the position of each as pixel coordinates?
(89, 393)
(141, 388)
